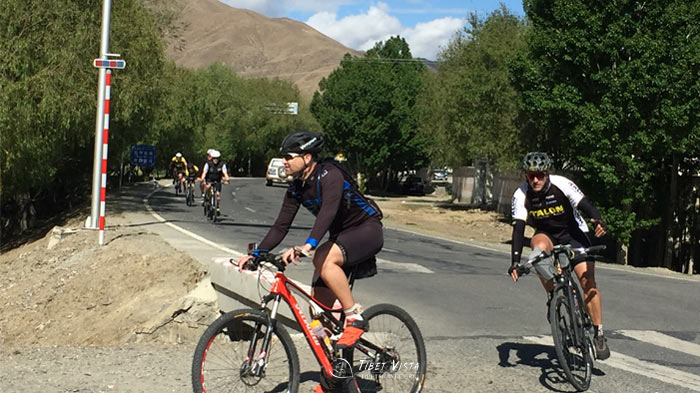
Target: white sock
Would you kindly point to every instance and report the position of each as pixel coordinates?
(599, 330)
(353, 313)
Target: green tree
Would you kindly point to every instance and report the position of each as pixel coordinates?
(48, 96)
(612, 90)
(215, 108)
(470, 106)
(367, 109)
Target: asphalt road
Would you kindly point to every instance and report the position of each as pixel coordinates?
(482, 331)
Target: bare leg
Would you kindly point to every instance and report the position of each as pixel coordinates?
(328, 260)
(586, 274)
(544, 243)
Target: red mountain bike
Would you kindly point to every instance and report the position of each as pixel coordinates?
(250, 350)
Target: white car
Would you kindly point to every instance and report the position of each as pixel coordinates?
(275, 172)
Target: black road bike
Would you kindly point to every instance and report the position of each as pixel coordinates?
(190, 191)
(572, 327)
(211, 203)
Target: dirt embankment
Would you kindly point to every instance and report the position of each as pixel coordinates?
(66, 290)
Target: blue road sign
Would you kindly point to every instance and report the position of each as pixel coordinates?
(143, 155)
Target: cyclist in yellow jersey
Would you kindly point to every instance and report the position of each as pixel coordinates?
(178, 167)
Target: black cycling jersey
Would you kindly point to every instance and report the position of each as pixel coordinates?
(553, 211)
(326, 194)
(214, 171)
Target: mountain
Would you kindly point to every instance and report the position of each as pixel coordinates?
(253, 45)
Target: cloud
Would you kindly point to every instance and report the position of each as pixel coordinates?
(279, 8)
(362, 31)
(358, 31)
(426, 39)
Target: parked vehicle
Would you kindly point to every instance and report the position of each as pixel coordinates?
(413, 185)
(439, 175)
(275, 172)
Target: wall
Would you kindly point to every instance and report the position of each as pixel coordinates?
(483, 187)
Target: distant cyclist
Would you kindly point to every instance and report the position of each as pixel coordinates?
(192, 172)
(202, 185)
(178, 167)
(550, 204)
(214, 172)
(352, 220)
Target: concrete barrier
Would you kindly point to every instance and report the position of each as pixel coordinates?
(245, 289)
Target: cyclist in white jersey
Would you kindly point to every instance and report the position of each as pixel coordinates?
(551, 204)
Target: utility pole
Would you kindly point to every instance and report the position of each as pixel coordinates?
(99, 173)
(99, 118)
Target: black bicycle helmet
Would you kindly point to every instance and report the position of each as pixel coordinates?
(302, 142)
(536, 162)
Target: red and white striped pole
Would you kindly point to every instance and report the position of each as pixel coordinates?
(105, 138)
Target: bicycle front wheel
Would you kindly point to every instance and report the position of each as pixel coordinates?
(573, 353)
(390, 356)
(230, 356)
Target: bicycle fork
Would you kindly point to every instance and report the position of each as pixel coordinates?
(576, 313)
(258, 360)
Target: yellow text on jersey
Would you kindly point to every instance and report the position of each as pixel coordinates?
(547, 212)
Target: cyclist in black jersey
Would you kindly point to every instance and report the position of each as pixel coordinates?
(214, 173)
(352, 221)
(202, 185)
(551, 204)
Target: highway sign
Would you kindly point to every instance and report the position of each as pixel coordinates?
(143, 155)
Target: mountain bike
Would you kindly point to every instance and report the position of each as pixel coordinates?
(190, 191)
(250, 350)
(572, 327)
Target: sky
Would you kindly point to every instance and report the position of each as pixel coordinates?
(427, 25)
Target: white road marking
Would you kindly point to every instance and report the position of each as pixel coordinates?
(389, 250)
(405, 266)
(249, 209)
(663, 340)
(208, 242)
(636, 366)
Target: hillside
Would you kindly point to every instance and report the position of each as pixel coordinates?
(252, 44)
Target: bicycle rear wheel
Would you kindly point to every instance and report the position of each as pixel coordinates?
(190, 196)
(221, 361)
(390, 356)
(574, 355)
(212, 210)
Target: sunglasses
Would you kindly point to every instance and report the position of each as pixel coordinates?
(290, 156)
(532, 175)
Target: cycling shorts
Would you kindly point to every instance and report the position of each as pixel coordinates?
(576, 238)
(215, 183)
(359, 245)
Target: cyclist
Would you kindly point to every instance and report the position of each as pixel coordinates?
(213, 172)
(550, 204)
(202, 184)
(178, 167)
(192, 172)
(352, 220)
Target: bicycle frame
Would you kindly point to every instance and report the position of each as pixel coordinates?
(281, 291)
(568, 281)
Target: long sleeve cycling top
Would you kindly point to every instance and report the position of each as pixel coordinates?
(553, 210)
(325, 195)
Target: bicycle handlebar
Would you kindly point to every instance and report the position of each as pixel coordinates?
(524, 268)
(275, 260)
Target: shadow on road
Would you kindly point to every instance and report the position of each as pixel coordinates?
(539, 356)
